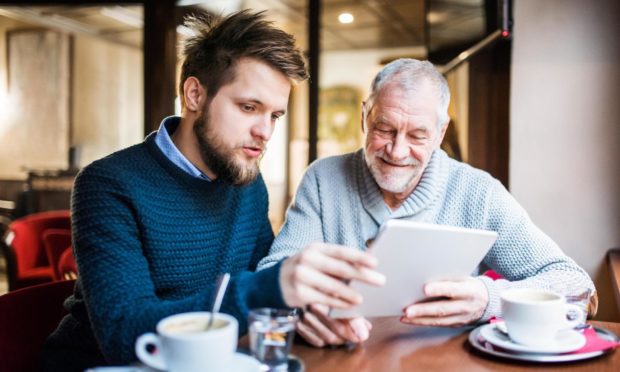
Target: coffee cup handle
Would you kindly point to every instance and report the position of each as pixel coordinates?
(575, 322)
(153, 359)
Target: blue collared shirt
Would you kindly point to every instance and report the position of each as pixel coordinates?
(165, 144)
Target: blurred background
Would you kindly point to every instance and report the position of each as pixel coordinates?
(534, 87)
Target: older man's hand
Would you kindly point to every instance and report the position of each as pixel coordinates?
(319, 329)
(459, 302)
(317, 275)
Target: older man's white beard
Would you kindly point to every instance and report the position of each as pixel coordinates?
(397, 180)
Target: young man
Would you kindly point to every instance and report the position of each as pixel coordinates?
(156, 223)
(402, 173)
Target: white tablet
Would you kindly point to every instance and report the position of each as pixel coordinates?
(411, 254)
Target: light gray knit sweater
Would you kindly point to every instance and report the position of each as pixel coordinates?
(339, 202)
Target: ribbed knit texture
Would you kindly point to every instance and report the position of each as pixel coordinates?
(339, 202)
(150, 241)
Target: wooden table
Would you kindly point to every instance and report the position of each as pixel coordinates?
(398, 347)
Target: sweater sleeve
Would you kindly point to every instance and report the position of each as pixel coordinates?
(524, 255)
(265, 236)
(302, 224)
(118, 291)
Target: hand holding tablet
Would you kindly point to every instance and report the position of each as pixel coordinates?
(411, 254)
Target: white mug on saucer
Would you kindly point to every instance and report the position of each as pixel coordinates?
(182, 343)
(534, 317)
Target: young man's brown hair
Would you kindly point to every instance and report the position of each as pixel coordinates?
(218, 43)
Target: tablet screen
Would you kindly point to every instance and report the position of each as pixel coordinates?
(411, 254)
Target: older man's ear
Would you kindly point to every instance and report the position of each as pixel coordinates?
(363, 117)
(442, 134)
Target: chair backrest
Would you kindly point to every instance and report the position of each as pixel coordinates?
(56, 242)
(27, 317)
(67, 268)
(24, 241)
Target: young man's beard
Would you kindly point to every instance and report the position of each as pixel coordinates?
(218, 158)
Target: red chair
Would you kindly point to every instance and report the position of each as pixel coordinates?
(67, 268)
(27, 317)
(56, 242)
(27, 262)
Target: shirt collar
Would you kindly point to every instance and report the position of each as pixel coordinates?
(169, 149)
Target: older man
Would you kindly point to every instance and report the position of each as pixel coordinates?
(402, 173)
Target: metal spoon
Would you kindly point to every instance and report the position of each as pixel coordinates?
(220, 289)
(501, 327)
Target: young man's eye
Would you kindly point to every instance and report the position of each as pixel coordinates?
(247, 108)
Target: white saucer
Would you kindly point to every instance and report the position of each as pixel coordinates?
(245, 363)
(566, 341)
(240, 363)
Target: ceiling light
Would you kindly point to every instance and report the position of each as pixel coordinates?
(345, 18)
(434, 17)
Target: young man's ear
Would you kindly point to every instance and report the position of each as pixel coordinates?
(194, 94)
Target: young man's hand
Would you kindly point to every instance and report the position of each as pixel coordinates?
(317, 275)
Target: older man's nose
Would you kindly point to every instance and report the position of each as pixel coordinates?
(398, 148)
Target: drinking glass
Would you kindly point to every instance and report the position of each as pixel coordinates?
(271, 336)
(582, 300)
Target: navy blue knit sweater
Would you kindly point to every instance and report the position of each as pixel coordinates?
(149, 241)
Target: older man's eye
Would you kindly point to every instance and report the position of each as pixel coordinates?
(418, 136)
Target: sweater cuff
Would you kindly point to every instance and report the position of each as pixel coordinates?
(494, 305)
(262, 288)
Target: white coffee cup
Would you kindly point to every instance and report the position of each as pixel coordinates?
(182, 343)
(534, 317)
